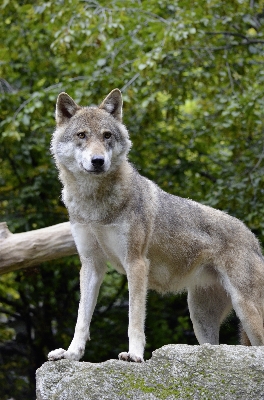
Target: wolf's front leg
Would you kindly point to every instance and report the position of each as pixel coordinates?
(91, 277)
(137, 275)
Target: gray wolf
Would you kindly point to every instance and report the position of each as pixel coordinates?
(160, 241)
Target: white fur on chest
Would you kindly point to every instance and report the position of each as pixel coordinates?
(110, 240)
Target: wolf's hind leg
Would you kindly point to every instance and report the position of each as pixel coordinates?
(208, 307)
(243, 337)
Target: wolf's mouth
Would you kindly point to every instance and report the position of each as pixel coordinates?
(96, 171)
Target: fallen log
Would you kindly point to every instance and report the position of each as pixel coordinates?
(23, 250)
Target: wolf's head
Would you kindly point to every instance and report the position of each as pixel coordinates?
(90, 140)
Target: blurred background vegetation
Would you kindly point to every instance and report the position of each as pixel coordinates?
(192, 77)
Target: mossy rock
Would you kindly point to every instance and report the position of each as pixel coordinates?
(174, 372)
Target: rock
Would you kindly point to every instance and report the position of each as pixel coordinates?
(173, 372)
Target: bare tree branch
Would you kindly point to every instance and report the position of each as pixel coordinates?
(23, 250)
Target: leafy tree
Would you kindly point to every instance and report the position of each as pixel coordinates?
(192, 80)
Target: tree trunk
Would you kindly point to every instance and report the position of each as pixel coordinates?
(22, 250)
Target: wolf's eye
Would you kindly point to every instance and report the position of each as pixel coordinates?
(107, 135)
(81, 135)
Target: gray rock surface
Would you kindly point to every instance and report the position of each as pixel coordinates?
(173, 372)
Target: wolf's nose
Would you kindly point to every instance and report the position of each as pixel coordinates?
(97, 161)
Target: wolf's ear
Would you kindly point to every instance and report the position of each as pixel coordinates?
(65, 108)
(113, 104)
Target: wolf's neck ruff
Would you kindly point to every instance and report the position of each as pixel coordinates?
(105, 194)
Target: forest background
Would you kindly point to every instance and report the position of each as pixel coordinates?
(192, 77)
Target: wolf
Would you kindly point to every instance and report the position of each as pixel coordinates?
(160, 241)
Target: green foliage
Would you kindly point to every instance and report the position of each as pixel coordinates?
(192, 80)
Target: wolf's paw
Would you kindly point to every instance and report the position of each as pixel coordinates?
(58, 354)
(130, 357)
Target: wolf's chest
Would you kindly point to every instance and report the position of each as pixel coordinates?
(112, 239)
